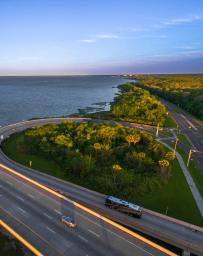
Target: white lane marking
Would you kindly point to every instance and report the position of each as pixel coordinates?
(82, 238)
(1, 195)
(51, 230)
(21, 210)
(57, 211)
(190, 123)
(92, 232)
(30, 195)
(9, 182)
(120, 237)
(20, 198)
(47, 215)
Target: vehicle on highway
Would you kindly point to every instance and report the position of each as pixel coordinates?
(68, 221)
(123, 206)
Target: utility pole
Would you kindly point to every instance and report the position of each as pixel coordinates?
(189, 156)
(157, 130)
(166, 210)
(176, 142)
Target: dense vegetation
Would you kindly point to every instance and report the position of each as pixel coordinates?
(9, 247)
(134, 104)
(106, 158)
(184, 90)
(174, 195)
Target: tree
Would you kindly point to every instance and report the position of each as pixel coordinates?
(133, 139)
(170, 156)
(164, 165)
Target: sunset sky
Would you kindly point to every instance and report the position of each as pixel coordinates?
(68, 37)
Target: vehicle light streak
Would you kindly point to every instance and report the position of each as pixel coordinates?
(20, 238)
(84, 208)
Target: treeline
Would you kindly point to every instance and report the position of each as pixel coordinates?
(133, 104)
(9, 246)
(186, 91)
(110, 159)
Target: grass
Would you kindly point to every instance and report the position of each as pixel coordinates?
(174, 195)
(183, 139)
(12, 149)
(166, 134)
(174, 198)
(196, 174)
(170, 122)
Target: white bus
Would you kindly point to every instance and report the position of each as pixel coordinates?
(123, 206)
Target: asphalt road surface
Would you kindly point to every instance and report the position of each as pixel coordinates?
(192, 129)
(36, 215)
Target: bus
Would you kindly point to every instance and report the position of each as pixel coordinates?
(123, 206)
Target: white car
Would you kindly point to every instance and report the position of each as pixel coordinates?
(68, 221)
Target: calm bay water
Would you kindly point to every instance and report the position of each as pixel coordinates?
(23, 98)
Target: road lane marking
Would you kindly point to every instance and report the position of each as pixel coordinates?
(9, 182)
(21, 209)
(92, 232)
(30, 195)
(82, 238)
(190, 123)
(113, 233)
(51, 230)
(47, 215)
(31, 230)
(57, 211)
(92, 212)
(20, 198)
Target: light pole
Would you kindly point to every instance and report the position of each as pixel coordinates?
(157, 130)
(166, 210)
(175, 146)
(189, 156)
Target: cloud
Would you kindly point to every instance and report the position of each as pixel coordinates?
(154, 36)
(88, 41)
(28, 58)
(100, 37)
(186, 47)
(108, 36)
(182, 20)
(192, 52)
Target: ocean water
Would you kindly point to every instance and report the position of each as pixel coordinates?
(22, 98)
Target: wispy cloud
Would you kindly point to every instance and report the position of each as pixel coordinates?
(88, 41)
(154, 36)
(187, 47)
(28, 58)
(108, 36)
(182, 20)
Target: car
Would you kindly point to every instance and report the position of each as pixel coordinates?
(68, 221)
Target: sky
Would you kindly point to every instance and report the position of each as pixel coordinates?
(83, 37)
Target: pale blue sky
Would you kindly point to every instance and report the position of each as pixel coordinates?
(100, 37)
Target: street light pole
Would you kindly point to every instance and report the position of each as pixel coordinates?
(157, 130)
(166, 212)
(189, 156)
(176, 142)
